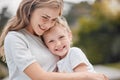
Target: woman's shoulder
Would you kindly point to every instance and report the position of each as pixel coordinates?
(14, 35)
(19, 33)
(14, 38)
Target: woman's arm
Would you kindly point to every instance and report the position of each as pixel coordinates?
(35, 72)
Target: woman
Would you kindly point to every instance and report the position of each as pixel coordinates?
(27, 57)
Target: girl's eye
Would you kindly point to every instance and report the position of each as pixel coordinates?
(50, 41)
(61, 37)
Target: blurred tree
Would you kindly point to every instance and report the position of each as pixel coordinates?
(77, 11)
(98, 33)
(4, 16)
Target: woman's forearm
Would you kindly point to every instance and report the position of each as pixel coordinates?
(65, 76)
(74, 76)
(35, 72)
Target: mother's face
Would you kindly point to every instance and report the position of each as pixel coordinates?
(42, 19)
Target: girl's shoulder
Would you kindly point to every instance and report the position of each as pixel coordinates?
(75, 49)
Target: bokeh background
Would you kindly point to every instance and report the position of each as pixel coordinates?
(95, 25)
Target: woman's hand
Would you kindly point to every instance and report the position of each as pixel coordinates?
(96, 76)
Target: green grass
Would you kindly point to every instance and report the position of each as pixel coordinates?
(114, 65)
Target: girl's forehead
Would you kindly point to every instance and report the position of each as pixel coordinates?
(58, 28)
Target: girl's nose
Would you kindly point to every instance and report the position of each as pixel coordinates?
(58, 43)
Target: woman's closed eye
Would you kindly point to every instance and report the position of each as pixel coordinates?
(54, 20)
(44, 18)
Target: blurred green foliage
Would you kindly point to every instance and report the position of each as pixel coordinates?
(3, 70)
(114, 65)
(4, 16)
(98, 34)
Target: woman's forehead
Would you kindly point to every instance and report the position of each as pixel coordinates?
(49, 12)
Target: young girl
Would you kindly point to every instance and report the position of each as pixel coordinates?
(26, 56)
(58, 40)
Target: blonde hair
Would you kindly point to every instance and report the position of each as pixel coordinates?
(21, 19)
(61, 21)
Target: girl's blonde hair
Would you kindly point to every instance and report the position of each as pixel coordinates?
(60, 21)
(21, 19)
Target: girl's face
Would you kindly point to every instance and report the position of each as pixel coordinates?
(42, 19)
(58, 41)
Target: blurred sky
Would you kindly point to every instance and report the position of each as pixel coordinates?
(13, 4)
(77, 1)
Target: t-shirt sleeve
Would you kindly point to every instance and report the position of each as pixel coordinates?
(16, 46)
(77, 57)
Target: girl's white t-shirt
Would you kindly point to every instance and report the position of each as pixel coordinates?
(74, 57)
(22, 49)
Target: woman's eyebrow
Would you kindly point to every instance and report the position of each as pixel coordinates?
(47, 16)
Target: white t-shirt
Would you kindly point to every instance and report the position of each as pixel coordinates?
(73, 58)
(22, 49)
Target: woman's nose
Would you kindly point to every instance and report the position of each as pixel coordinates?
(48, 25)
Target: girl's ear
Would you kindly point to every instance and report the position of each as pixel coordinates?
(70, 36)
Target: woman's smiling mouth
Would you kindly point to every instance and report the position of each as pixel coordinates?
(41, 27)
